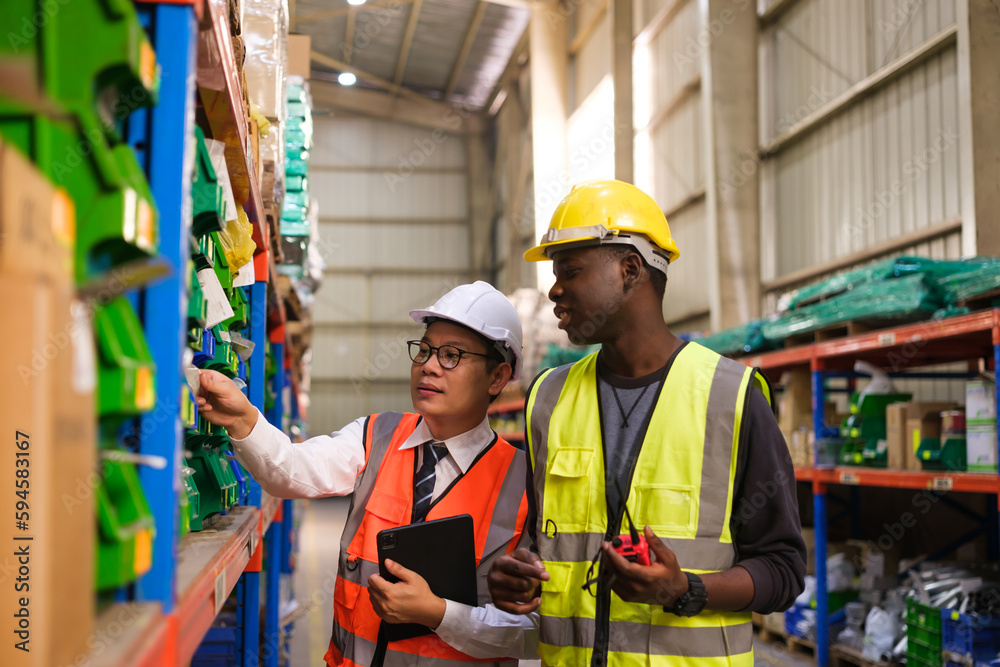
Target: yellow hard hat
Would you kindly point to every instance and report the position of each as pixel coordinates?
(609, 212)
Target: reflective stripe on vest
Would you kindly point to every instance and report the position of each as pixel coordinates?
(491, 491)
(693, 433)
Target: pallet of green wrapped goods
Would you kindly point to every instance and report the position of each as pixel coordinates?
(876, 304)
(975, 289)
(738, 340)
(885, 270)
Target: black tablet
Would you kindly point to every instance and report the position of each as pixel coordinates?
(443, 552)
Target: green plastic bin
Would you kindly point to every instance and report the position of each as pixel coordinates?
(126, 374)
(103, 77)
(125, 527)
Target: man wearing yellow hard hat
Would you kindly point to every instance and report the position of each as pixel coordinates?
(686, 436)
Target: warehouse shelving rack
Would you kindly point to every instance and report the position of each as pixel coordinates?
(178, 599)
(972, 337)
(508, 408)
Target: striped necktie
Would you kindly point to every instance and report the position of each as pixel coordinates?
(423, 487)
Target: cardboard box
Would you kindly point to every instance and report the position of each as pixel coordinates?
(923, 420)
(895, 435)
(36, 220)
(809, 537)
(47, 368)
(299, 47)
(981, 448)
(47, 408)
(980, 401)
(795, 402)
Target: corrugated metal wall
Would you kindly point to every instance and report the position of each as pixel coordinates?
(884, 167)
(669, 153)
(593, 61)
(394, 233)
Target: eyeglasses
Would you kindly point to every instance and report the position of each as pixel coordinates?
(448, 355)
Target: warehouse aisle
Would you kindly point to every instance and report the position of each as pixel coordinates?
(319, 544)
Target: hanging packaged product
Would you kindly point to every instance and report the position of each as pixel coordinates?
(236, 240)
(125, 527)
(102, 82)
(126, 375)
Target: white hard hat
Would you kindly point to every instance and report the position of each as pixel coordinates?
(484, 309)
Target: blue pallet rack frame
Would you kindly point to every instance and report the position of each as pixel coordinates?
(171, 121)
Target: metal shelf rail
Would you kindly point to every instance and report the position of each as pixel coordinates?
(968, 337)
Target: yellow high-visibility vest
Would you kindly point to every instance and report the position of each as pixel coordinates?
(682, 487)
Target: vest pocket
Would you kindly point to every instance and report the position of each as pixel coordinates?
(668, 509)
(567, 496)
(387, 506)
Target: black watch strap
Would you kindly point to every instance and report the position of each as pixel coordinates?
(692, 601)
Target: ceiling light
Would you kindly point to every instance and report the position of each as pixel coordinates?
(347, 79)
(355, 2)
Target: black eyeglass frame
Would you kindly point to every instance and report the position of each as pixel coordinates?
(437, 351)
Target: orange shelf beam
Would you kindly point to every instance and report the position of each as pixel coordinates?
(506, 407)
(906, 479)
(216, 564)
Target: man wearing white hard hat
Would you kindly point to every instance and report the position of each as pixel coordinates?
(441, 460)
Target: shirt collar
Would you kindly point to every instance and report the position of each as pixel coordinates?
(464, 448)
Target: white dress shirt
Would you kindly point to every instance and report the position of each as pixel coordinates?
(328, 465)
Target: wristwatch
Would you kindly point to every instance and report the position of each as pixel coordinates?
(692, 601)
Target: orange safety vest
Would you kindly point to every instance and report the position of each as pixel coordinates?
(492, 491)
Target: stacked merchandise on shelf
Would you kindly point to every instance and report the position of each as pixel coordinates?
(299, 214)
(941, 615)
(69, 114)
(220, 272)
(889, 292)
(302, 264)
(265, 38)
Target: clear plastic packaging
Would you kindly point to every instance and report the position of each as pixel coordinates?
(265, 35)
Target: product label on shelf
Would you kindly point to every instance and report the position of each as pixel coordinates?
(220, 591)
(942, 484)
(849, 478)
(887, 339)
(246, 276)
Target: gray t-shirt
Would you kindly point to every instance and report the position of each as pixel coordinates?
(623, 419)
